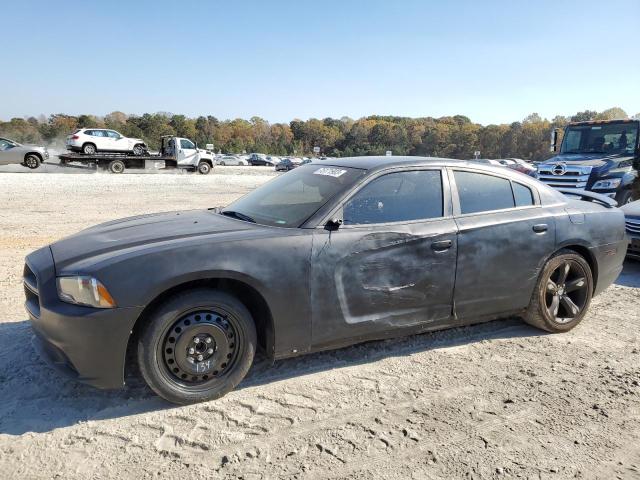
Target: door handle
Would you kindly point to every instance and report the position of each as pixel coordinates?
(540, 228)
(441, 246)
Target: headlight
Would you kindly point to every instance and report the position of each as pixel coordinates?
(607, 184)
(86, 291)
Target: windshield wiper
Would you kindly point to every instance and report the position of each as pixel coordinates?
(238, 215)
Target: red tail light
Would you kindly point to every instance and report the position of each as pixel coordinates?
(74, 137)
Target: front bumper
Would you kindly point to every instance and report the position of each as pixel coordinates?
(89, 344)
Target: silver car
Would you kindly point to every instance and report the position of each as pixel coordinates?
(231, 160)
(30, 156)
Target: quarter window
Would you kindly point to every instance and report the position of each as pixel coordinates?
(522, 195)
(397, 197)
(482, 193)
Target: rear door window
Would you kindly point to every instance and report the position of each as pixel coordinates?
(479, 192)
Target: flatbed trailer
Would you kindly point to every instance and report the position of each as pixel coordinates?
(118, 163)
(175, 153)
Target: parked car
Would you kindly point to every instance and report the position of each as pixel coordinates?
(519, 165)
(487, 161)
(231, 160)
(375, 246)
(632, 222)
(92, 140)
(258, 159)
(285, 165)
(30, 156)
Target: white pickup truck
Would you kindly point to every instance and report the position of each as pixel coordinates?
(175, 152)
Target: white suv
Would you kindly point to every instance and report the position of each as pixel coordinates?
(92, 140)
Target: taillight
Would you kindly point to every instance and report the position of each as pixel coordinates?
(74, 137)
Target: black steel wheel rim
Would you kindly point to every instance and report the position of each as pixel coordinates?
(566, 292)
(201, 347)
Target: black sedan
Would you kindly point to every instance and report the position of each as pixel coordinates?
(285, 165)
(321, 257)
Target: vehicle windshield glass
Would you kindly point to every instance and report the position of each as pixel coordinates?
(608, 138)
(290, 199)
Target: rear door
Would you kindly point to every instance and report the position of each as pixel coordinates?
(392, 262)
(504, 237)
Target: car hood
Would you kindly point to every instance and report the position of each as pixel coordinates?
(145, 230)
(632, 209)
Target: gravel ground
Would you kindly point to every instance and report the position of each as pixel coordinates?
(499, 400)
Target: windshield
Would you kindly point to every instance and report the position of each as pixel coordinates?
(290, 199)
(608, 138)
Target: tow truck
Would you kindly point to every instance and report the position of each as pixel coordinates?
(597, 156)
(175, 153)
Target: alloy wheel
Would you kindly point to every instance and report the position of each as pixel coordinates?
(566, 292)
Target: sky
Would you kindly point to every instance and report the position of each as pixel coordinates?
(493, 61)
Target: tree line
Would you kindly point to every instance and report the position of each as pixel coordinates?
(453, 137)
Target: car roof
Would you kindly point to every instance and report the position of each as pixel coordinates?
(377, 162)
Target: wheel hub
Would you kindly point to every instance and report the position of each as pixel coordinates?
(200, 346)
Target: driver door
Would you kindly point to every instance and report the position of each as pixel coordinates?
(391, 264)
(186, 151)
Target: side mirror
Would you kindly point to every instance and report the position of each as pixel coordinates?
(554, 140)
(333, 224)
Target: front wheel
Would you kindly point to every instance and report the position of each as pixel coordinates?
(624, 197)
(197, 346)
(138, 150)
(204, 168)
(563, 293)
(32, 161)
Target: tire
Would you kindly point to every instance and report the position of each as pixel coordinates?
(139, 150)
(116, 166)
(32, 161)
(554, 287)
(623, 197)
(181, 327)
(89, 149)
(204, 168)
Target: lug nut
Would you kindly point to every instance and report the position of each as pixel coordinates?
(196, 340)
(192, 351)
(210, 351)
(208, 340)
(200, 358)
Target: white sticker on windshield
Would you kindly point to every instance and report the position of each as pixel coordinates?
(330, 172)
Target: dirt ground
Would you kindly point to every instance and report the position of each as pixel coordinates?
(499, 400)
